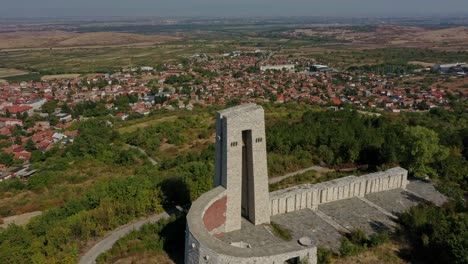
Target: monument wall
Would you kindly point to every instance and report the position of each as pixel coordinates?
(311, 195)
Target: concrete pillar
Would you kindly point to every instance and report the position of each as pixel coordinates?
(241, 165)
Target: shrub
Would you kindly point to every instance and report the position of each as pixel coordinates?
(347, 248)
(378, 239)
(358, 237)
(324, 255)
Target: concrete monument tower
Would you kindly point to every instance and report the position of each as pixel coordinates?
(241, 165)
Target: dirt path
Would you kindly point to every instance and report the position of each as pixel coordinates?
(318, 169)
(105, 244)
(154, 162)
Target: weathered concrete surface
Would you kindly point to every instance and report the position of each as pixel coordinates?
(307, 223)
(394, 201)
(427, 192)
(353, 213)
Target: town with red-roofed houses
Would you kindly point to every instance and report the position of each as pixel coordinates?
(38, 116)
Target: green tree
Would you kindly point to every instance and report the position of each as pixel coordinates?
(30, 146)
(18, 140)
(421, 147)
(6, 158)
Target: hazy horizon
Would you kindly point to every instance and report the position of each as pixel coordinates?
(239, 8)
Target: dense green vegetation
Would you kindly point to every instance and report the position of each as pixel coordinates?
(183, 130)
(436, 235)
(357, 241)
(414, 141)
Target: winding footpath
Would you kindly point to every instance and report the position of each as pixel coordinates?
(105, 244)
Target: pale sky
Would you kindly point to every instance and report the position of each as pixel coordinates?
(102, 8)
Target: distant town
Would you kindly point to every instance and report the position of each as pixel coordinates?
(38, 116)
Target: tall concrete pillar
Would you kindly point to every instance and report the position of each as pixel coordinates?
(241, 164)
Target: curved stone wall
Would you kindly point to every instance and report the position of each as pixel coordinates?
(203, 247)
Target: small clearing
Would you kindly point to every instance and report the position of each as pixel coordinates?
(20, 220)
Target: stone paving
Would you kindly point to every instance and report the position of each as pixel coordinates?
(394, 201)
(426, 191)
(307, 223)
(255, 236)
(354, 213)
(325, 227)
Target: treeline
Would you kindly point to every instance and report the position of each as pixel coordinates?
(425, 144)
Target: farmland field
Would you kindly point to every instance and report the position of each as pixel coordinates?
(5, 72)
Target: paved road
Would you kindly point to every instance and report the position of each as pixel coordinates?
(107, 243)
(316, 168)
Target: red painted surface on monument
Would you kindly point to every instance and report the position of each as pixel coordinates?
(215, 215)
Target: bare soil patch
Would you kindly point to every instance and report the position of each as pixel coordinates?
(21, 219)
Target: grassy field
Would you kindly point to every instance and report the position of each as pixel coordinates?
(96, 60)
(6, 72)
